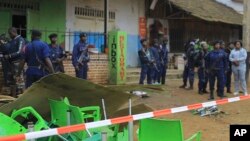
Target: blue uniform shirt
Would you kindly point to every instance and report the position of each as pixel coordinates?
(55, 53)
(33, 50)
(156, 55)
(77, 51)
(216, 59)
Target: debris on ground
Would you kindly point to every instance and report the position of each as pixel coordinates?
(212, 110)
(141, 94)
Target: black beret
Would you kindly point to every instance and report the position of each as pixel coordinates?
(83, 35)
(216, 42)
(36, 33)
(52, 35)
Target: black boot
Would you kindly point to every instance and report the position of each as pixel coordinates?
(183, 86)
(13, 90)
(205, 91)
(200, 92)
(211, 95)
(229, 90)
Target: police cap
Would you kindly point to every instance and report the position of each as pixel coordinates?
(36, 33)
(216, 42)
(82, 35)
(53, 35)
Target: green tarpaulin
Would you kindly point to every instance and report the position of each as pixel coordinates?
(80, 93)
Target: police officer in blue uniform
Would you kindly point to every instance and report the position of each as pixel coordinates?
(229, 71)
(57, 54)
(156, 72)
(191, 64)
(147, 60)
(189, 44)
(216, 65)
(36, 56)
(80, 57)
(164, 59)
(202, 75)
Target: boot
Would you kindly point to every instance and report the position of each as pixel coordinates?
(205, 91)
(211, 95)
(13, 89)
(229, 91)
(190, 88)
(183, 86)
(200, 92)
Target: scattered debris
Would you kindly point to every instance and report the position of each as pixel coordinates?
(212, 110)
(141, 94)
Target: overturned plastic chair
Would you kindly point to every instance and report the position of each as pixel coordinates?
(9, 126)
(163, 130)
(30, 113)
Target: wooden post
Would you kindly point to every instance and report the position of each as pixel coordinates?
(246, 33)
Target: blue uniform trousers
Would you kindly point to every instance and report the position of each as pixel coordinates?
(82, 72)
(219, 75)
(201, 76)
(146, 71)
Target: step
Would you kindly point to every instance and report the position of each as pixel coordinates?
(137, 81)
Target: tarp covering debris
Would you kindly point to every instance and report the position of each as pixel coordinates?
(79, 92)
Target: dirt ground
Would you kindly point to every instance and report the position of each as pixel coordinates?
(213, 128)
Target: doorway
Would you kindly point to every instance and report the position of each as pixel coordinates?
(20, 23)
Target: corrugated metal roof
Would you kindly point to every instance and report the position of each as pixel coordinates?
(210, 10)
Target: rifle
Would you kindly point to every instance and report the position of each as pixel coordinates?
(82, 56)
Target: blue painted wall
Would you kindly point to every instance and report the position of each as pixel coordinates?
(132, 50)
(97, 39)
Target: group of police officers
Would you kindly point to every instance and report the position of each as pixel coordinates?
(154, 61)
(41, 58)
(210, 62)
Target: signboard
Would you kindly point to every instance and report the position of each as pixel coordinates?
(117, 57)
(142, 27)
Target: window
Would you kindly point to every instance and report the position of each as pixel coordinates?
(93, 13)
(19, 4)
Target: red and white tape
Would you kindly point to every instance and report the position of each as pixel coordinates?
(79, 127)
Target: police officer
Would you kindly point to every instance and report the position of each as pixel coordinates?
(191, 64)
(216, 65)
(202, 75)
(57, 54)
(164, 59)
(229, 71)
(36, 56)
(14, 58)
(147, 60)
(80, 57)
(155, 49)
(4, 46)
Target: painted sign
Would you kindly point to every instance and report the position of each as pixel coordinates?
(142, 27)
(117, 57)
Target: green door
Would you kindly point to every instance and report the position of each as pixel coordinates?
(6, 21)
(33, 21)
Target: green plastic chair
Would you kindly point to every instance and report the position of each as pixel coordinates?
(163, 130)
(29, 112)
(59, 111)
(9, 126)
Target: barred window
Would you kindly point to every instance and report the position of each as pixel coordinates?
(19, 4)
(93, 13)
